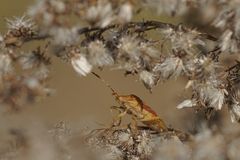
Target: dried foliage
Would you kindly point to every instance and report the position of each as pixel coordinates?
(62, 142)
(101, 33)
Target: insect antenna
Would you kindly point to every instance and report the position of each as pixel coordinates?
(114, 93)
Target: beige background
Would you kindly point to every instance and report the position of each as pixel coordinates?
(80, 98)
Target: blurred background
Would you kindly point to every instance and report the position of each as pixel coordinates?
(86, 99)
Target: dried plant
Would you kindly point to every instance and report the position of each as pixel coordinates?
(102, 34)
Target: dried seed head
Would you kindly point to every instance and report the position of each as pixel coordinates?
(183, 39)
(33, 59)
(100, 15)
(1, 38)
(48, 12)
(149, 79)
(129, 48)
(81, 64)
(212, 96)
(145, 146)
(201, 68)
(187, 103)
(234, 107)
(64, 36)
(20, 28)
(98, 55)
(171, 67)
(125, 14)
(21, 24)
(169, 7)
(223, 18)
(148, 50)
(172, 149)
(228, 43)
(5, 65)
(233, 152)
(123, 144)
(234, 111)
(58, 5)
(41, 73)
(129, 55)
(209, 146)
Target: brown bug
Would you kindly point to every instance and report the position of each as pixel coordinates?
(134, 106)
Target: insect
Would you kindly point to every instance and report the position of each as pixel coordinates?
(134, 106)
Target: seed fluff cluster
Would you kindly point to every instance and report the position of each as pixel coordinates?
(100, 34)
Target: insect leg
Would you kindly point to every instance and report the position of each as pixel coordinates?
(119, 109)
(133, 125)
(122, 111)
(147, 119)
(155, 123)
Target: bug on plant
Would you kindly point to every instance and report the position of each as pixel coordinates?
(134, 106)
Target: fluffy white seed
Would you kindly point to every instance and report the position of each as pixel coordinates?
(81, 65)
(125, 13)
(235, 112)
(187, 104)
(171, 67)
